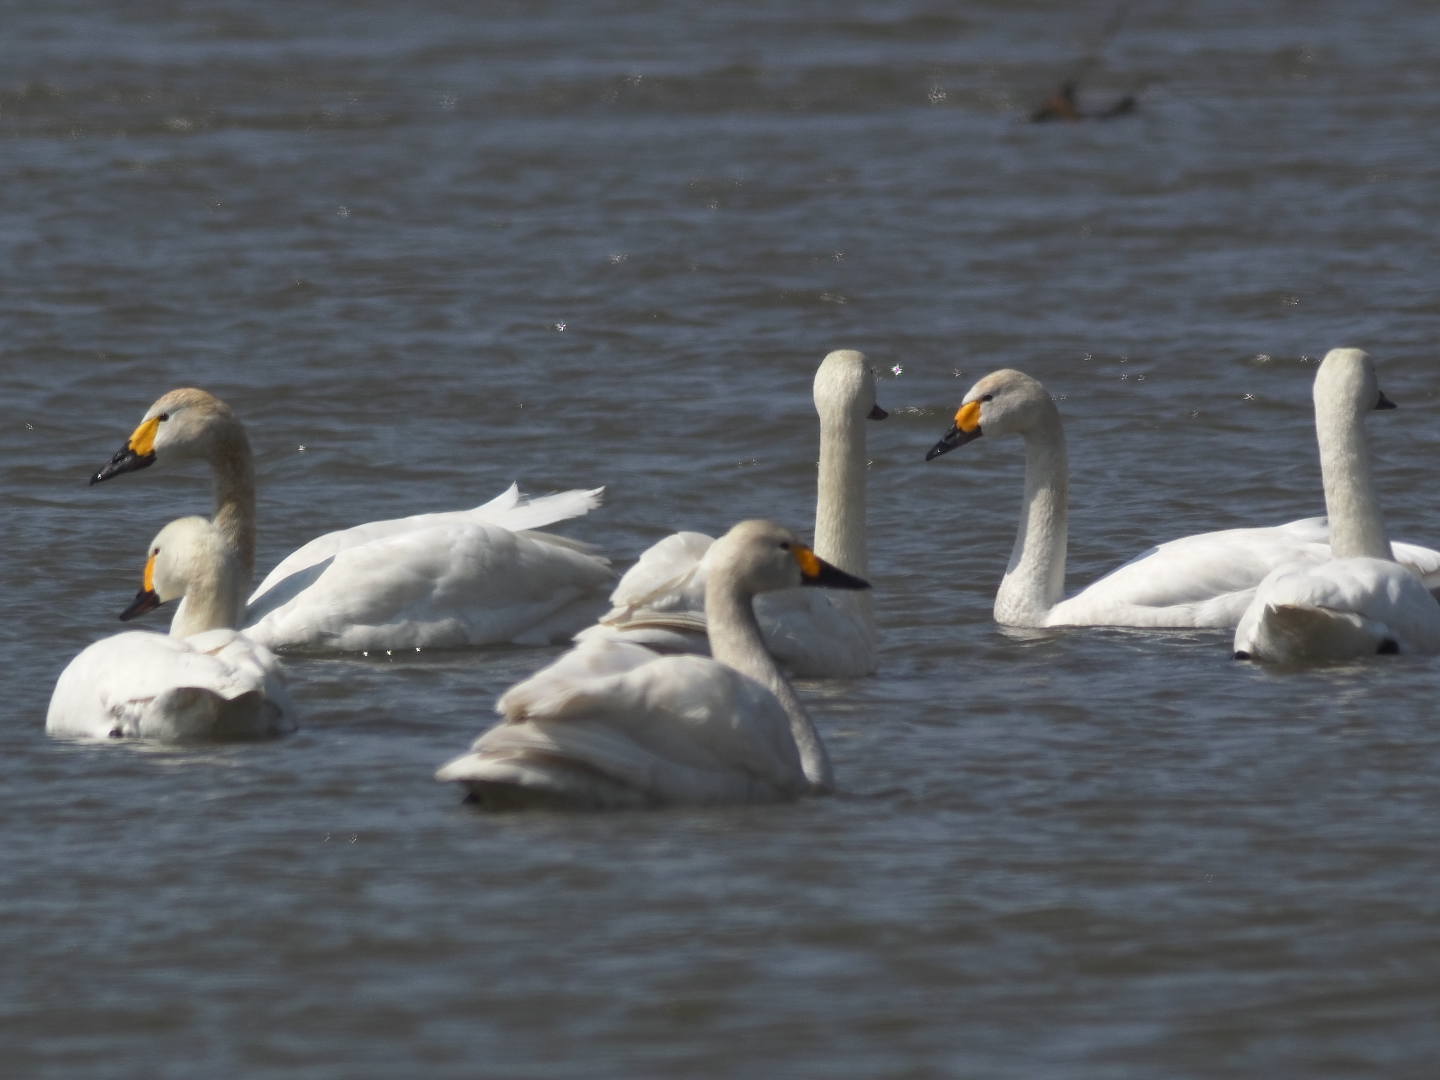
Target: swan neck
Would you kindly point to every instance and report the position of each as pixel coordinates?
(233, 471)
(736, 641)
(1357, 527)
(1035, 579)
(840, 502)
(214, 600)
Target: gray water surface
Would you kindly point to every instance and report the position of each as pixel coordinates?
(428, 249)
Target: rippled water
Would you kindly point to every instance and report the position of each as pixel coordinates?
(426, 249)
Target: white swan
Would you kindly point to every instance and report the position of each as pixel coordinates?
(612, 724)
(1205, 580)
(660, 600)
(467, 577)
(202, 681)
(1361, 602)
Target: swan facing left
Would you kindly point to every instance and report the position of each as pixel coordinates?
(443, 580)
(202, 681)
(612, 725)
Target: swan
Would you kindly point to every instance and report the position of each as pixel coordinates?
(1361, 602)
(465, 577)
(202, 681)
(660, 600)
(1205, 580)
(612, 724)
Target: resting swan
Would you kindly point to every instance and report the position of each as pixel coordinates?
(467, 577)
(1205, 580)
(611, 724)
(660, 600)
(1361, 602)
(202, 681)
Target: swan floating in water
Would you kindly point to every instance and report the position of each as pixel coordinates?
(660, 600)
(1205, 580)
(461, 578)
(202, 681)
(611, 724)
(1361, 602)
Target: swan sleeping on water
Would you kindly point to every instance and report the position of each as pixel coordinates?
(1205, 580)
(202, 681)
(660, 600)
(466, 577)
(611, 724)
(1361, 602)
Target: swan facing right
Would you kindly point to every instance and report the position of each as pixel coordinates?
(1361, 602)
(612, 725)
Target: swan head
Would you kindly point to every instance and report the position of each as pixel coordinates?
(1346, 378)
(1005, 402)
(184, 554)
(845, 385)
(760, 556)
(183, 423)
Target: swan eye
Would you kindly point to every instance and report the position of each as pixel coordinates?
(987, 397)
(163, 416)
(784, 545)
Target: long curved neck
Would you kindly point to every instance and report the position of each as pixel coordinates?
(840, 501)
(214, 599)
(736, 642)
(1356, 524)
(1035, 579)
(234, 475)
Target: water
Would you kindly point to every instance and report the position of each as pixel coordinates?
(426, 249)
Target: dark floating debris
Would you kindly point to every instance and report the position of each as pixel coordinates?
(1063, 104)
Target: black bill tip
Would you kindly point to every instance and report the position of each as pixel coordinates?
(950, 440)
(876, 413)
(832, 577)
(1384, 402)
(125, 460)
(145, 600)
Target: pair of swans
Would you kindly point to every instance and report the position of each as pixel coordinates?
(622, 721)
(470, 577)
(202, 681)
(659, 602)
(613, 724)
(1205, 580)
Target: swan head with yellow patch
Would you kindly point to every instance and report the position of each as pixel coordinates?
(182, 422)
(1004, 402)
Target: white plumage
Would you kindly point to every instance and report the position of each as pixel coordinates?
(659, 602)
(203, 681)
(1204, 580)
(460, 578)
(1361, 602)
(612, 724)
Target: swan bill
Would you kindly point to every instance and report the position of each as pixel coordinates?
(965, 429)
(876, 413)
(138, 451)
(951, 439)
(816, 571)
(145, 600)
(1384, 402)
(125, 460)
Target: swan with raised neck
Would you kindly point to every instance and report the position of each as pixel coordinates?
(1202, 580)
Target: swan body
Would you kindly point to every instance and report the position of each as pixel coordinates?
(202, 681)
(462, 578)
(659, 602)
(1204, 580)
(612, 724)
(1360, 602)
